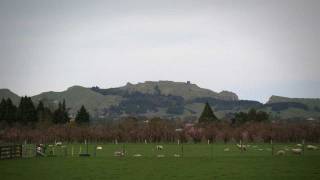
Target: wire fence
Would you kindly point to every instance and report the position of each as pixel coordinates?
(165, 150)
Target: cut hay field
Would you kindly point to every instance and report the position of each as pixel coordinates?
(199, 161)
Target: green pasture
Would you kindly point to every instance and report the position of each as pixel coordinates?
(196, 161)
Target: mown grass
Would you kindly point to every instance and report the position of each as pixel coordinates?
(199, 161)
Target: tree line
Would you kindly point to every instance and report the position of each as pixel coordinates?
(26, 113)
(155, 130)
(252, 115)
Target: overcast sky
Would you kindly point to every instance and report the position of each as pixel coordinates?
(253, 48)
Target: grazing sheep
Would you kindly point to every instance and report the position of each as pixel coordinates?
(160, 156)
(119, 153)
(176, 155)
(296, 151)
(159, 147)
(243, 147)
(299, 145)
(99, 147)
(226, 150)
(137, 155)
(312, 147)
(281, 152)
(58, 143)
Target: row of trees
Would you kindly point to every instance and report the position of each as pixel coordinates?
(27, 113)
(253, 115)
(160, 130)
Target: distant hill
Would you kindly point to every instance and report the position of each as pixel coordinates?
(186, 90)
(76, 96)
(6, 93)
(167, 99)
(294, 107)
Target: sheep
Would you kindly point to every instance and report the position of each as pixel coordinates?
(242, 147)
(226, 150)
(159, 147)
(176, 155)
(160, 156)
(311, 147)
(119, 153)
(137, 155)
(299, 145)
(99, 147)
(58, 143)
(296, 151)
(281, 152)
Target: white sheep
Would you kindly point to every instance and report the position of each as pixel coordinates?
(137, 155)
(226, 150)
(99, 147)
(312, 147)
(299, 145)
(119, 153)
(243, 147)
(296, 151)
(160, 155)
(159, 147)
(58, 143)
(281, 152)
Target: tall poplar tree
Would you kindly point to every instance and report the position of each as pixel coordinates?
(207, 114)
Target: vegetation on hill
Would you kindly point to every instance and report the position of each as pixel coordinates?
(177, 100)
(253, 115)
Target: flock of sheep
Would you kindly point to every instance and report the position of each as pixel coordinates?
(298, 149)
(121, 153)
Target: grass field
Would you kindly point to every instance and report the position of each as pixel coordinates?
(199, 161)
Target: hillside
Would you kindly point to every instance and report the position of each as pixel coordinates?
(6, 93)
(294, 107)
(75, 97)
(167, 99)
(186, 90)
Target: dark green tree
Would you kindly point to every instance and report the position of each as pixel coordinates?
(252, 114)
(40, 107)
(10, 112)
(2, 109)
(44, 114)
(26, 113)
(61, 116)
(83, 117)
(207, 114)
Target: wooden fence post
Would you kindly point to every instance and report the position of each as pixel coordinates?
(272, 148)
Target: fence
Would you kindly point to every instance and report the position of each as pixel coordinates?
(10, 151)
(148, 150)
